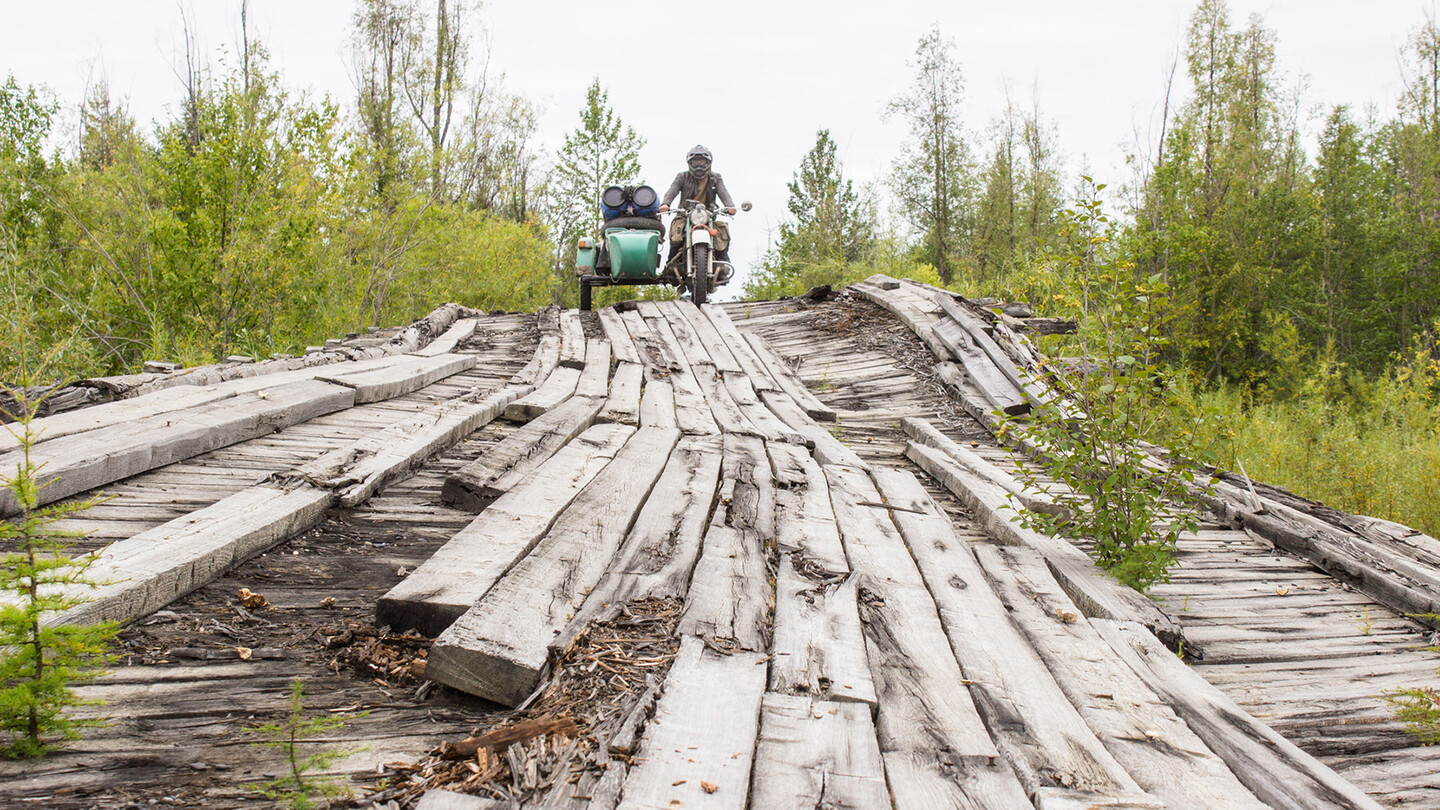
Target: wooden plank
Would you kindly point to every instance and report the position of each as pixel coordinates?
(1044, 737)
(1032, 387)
(148, 571)
(557, 388)
(1137, 726)
(692, 410)
(723, 603)
(546, 358)
(752, 366)
(716, 345)
(458, 332)
(804, 519)
(765, 422)
(923, 432)
(620, 342)
(1391, 576)
(504, 466)
(354, 472)
(819, 649)
(410, 374)
(936, 749)
(595, 379)
(692, 348)
(95, 458)
(442, 588)
(788, 380)
(1273, 768)
(659, 554)
(828, 449)
(572, 339)
(657, 403)
(498, 648)
(622, 405)
(677, 767)
(997, 388)
(81, 420)
(654, 352)
(726, 411)
(816, 753)
(1096, 594)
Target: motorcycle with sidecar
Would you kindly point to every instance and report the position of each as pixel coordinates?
(630, 248)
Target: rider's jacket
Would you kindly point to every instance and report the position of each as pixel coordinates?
(687, 185)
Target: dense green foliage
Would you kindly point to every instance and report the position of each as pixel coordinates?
(258, 220)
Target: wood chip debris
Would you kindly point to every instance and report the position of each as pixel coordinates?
(588, 716)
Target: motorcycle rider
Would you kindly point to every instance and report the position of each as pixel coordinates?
(697, 182)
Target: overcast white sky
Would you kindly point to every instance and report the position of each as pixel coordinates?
(754, 79)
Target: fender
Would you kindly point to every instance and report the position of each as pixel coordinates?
(700, 235)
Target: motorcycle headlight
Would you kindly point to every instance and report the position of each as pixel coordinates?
(644, 196)
(699, 216)
(613, 197)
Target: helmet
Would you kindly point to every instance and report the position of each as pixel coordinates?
(698, 159)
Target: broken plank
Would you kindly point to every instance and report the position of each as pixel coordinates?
(1274, 769)
(816, 753)
(547, 356)
(504, 466)
(804, 519)
(716, 346)
(557, 388)
(654, 352)
(750, 364)
(765, 422)
(446, 585)
(95, 458)
(660, 551)
(458, 332)
(692, 348)
(1094, 592)
(410, 374)
(936, 748)
(354, 472)
(677, 767)
(622, 405)
(148, 571)
(927, 434)
(997, 389)
(1041, 733)
(498, 648)
(727, 412)
(828, 449)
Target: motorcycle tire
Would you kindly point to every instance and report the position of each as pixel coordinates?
(700, 282)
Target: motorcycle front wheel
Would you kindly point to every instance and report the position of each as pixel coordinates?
(700, 274)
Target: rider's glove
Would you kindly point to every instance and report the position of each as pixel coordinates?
(730, 211)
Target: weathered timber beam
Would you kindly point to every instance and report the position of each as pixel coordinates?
(443, 587)
(498, 648)
(1274, 769)
(1096, 593)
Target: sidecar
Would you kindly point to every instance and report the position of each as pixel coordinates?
(628, 251)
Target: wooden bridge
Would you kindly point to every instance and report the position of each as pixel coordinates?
(745, 555)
